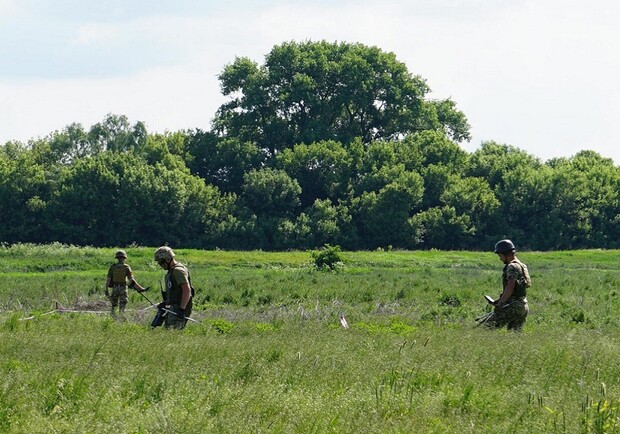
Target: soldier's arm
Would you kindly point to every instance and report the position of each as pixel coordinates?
(108, 281)
(133, 283)
(186, 293)
(507, 293)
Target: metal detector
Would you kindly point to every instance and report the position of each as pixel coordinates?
(161, 311)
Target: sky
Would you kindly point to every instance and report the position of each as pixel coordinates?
(540, 75)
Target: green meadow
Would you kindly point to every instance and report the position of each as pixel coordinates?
(269, 355)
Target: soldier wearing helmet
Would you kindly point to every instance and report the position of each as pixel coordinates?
(511, 308)
(119, 275)
(179, 293)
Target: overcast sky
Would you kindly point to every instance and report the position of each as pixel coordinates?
(539, 75)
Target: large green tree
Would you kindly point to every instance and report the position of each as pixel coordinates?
(585, 201)
(473, 199)
(117, 198)
(25, 187)
(114, 133)
(222, 162)
(493, 161)
(324, 170)
(383, 217)
(308, 92)
(323, 143)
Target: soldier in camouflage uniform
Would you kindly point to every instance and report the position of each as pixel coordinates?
(119, 275)
(179, 292)
(511, 309)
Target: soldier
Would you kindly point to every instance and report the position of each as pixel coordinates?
(511, 307)
(179, 292)
(119, 275)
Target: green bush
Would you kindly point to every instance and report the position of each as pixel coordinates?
(328, 258)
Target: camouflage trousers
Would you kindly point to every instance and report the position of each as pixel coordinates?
(173, 321)
(512, 315)
(118, 297)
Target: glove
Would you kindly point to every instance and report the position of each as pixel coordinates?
(159, 319)
(181, 313)
(161, 305)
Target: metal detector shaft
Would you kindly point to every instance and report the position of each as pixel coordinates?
(177, 315)
(483, 319)
(146, 298)
(166, 309)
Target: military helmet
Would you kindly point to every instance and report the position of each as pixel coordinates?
(504, 246)
(120, 254)
(164, 252)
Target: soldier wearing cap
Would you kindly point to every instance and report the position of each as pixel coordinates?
(179, 292)
(119, 275)
(511, 308)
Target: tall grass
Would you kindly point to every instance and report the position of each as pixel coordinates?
(270, 356)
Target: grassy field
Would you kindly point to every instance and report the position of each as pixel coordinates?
(269, 354)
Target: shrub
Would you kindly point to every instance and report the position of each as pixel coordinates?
(328, 258)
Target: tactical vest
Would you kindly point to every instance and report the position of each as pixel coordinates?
(173, 288)
(523, 282)
(120, 273)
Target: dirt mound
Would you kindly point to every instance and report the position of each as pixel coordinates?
(85, 305)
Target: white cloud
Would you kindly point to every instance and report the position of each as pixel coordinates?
(165, 99)
(8, 8)
(96, 33)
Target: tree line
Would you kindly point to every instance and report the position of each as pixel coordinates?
(324, 143)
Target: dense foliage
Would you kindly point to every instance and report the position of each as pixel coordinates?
(324, 143)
